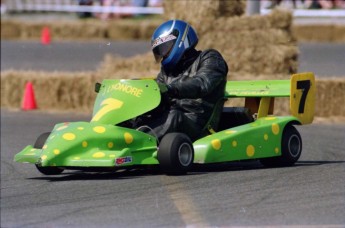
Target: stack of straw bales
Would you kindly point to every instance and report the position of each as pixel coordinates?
(253, 46)
(53, 91)
(195, 11)
(75, 91)
(320, 33)
(79, 30)
(141, 66)
(330, 97)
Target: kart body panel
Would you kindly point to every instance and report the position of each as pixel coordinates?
(258, 139)
(102, 142)
(83, 144)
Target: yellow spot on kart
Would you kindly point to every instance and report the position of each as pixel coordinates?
(80, 128)
(29, 154)
(61, 128)
(266, 137)
(216, 144)
(68, 136)
(250, 150)
(234, 143)
(276, 150)
(56, 151)
(99, 129)
(271, 118)
(230, 132)
(84, 144)
(98, 155)
(128, 138)
(275, 128)
(76, 158)
(43, 157)
(45, 146)
(112, 156)
(110, 145)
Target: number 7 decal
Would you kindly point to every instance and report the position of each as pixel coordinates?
(302, 97)
(304, 86)
(108, 105)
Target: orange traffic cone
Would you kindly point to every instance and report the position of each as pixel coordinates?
(45, 36)
(29, 101)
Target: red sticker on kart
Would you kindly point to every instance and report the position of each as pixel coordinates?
(123, 160)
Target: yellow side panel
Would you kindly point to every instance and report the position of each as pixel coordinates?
(302, 97)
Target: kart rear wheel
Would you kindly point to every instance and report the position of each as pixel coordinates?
(291, 149)
(175, 154)
(39, 145)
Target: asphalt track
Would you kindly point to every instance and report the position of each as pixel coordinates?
(65, 56)
(324, 59)
(237, 194)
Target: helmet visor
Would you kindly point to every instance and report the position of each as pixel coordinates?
(162, 46)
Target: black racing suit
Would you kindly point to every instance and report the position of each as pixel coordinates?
(195, 85)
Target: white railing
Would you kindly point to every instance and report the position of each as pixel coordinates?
(125, 8)
(313, 12)
(73, 6)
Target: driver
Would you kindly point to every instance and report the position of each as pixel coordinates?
(191, 82)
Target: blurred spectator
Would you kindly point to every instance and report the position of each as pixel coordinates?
(139, 3)
(325, 4)
(3, 7)
(135, 3)
(275, 3)
(310, 4)
(105, 3)
(155, 3)
(85, 3)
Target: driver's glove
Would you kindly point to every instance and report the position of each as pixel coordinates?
(163, 87)
(167, 90)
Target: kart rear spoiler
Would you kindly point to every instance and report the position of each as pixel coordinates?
(259, 95)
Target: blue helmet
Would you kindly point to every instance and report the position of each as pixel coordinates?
(171, 40)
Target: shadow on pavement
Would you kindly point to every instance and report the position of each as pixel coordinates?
(198, 169)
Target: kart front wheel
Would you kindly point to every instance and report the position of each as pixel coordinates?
(175, 154)
(39, 145)
(291, 149)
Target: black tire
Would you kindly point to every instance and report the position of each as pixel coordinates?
(39, 145)
(291, 149)
(175, 154)
(41, 140)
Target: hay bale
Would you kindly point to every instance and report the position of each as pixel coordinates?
(131, 29)
(195, 11)
(123, 30)
(251, 45)
(255, 44)
(80, 30)
(75, 91)
(330, 97)
(67, 91)
(320, 33)
(10, 30)
(135, 67)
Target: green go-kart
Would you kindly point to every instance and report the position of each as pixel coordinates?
(248, 132)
